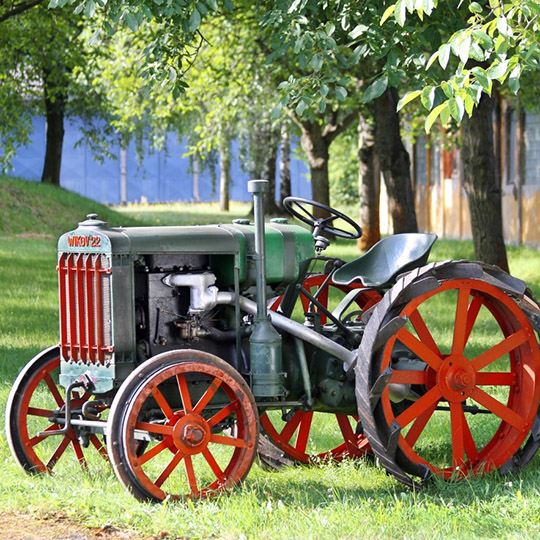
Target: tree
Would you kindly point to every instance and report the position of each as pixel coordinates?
(42, 67)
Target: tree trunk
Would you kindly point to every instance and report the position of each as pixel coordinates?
(224, 174)
(394, 162)
(482, 186)
(285, 166)
(269, 169)
(55, 107)
(368, 186)
(316, 147)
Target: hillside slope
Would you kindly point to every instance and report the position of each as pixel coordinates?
(31, 208)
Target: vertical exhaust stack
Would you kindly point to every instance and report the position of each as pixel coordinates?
(265, 342)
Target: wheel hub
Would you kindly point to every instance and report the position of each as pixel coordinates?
(191, 434)
(456, 378)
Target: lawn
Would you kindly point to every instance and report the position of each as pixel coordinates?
(352, 500)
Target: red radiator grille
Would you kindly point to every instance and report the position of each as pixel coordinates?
(85, 307)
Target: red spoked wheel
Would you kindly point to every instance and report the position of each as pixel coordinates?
(312, 437)
(469, 360)
(199, 422)
(34, 401)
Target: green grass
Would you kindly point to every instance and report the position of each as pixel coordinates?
(352, 500)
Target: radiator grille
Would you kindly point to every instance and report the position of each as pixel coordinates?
(85, 307)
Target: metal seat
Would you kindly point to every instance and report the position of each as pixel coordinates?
(391, 256)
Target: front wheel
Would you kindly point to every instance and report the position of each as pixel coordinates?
(35, 404)
(197, 421)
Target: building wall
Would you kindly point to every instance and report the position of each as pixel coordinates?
(161, 176)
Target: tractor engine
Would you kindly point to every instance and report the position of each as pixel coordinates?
(127, 294)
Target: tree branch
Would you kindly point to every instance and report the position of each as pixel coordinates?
(19, 8)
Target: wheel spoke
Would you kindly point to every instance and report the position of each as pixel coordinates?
(423, 332)
(460, 324)
(154, 451)
(184, 392)
(221, 415)
(493, 378)
(423, 351)
(207, 396)
(291, 425)
(350, 438)
(35, 411)
(425, 402)
(64, 443)
(303, 432)
(190, 473)
(458, 446)
(214, 465)
(502, 348)
(162, 402)
(419, 424)
(54, 390)
(228, 441)
(154, 428)
(496, 407)
(472, 314)
(403, 376)
(177, 458)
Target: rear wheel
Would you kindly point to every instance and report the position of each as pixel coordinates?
(34, 402)
(198, 419)
(453, 341)
(308, 437)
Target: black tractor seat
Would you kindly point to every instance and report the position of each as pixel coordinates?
(391, 256)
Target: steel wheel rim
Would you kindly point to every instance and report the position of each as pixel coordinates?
(31, 461)
(354, 445)
(454, 378)
(174, 433)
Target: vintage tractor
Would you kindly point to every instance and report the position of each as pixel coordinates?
(173, 364)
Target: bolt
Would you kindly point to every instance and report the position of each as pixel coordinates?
(192, 435)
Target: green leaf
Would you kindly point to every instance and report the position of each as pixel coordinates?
(276, 112)
(300, 108)
(433, 115)
(502, 26)
(322, 105)
(341, 92)
(475, 7)
(323, 90)
(445, 116)
(358, 31)
(469, 104)
(400, 14)
(316, 62)
(501, 45)
(407, 98)
(194, 20)
(463, 48)
(498, 70)
(447, 89)
(132, 21)
(513, 80)
(428, 97)
(387, 13)
(482, 38)
(432, 59)
(482, 78)
(456, 108)
(444, 56)
(376, 89)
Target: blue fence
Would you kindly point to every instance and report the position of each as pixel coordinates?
(160, 177)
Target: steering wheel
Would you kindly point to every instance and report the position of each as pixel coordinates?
(296, 206)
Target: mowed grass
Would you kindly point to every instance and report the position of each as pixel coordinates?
(351, 500)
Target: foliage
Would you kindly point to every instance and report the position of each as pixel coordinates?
(42, 51)
(494, 44)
